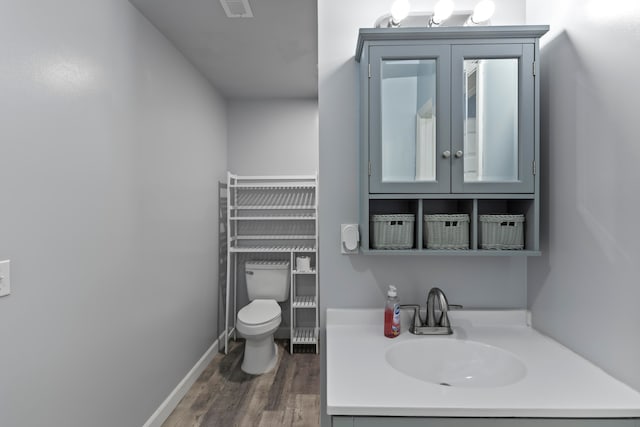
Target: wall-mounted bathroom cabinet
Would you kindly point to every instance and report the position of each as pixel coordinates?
(449, 125)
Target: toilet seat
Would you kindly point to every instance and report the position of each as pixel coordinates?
(258, 317)
(259, 311)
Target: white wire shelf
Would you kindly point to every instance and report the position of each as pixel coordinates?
(274, 185)
(304, 302)
(304, 272)
(277, 215)
(275, 237)
(279, 207)
(273, 248)
(283, 199)
(309, 217)
(304, 336)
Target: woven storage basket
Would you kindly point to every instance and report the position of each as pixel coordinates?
(502, 231)
(446, 231)
(392, 231)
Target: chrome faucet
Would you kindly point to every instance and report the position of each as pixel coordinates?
(443, 322)
(441, 326)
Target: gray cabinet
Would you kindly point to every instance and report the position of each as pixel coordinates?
(449, 125)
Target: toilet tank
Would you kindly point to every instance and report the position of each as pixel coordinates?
(267, 280)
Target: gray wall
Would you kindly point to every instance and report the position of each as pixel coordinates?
(111, 145)
(360, 281)
(273, 137)
(584, 290)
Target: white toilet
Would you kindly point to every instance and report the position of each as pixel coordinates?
(267, 283)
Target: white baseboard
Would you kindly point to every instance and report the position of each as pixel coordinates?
(164, 410)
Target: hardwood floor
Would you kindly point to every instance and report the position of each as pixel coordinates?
(223, 395)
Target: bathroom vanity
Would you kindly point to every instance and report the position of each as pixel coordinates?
(449, 125)
(494, 370)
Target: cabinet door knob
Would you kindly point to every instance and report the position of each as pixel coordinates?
(446, 154)
(459, 153)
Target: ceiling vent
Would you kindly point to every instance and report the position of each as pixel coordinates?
(237, 8)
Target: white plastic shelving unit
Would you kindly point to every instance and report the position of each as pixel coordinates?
(276, 215)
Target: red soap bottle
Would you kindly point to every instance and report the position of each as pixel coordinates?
(392, 313)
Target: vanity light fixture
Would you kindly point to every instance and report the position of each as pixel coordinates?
(399, 10)
(441, 12)
(482, 12)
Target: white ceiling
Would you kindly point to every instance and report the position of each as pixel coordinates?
(272, 55)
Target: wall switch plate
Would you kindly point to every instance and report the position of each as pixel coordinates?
(349, 238)
(5, 279)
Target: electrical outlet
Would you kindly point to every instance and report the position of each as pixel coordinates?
(5, 279)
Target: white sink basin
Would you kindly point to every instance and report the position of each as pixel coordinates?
(455, 363)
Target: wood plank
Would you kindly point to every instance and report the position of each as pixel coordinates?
(276, 400)
(259, 395)
(194, 404)
(225, 396)
(303, 410)
(275, 418)
(307, 410)
(307, 377)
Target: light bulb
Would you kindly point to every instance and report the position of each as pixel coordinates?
(442, 11)
(399, 11)
(483, 11)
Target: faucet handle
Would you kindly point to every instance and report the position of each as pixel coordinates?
(417, 320)
(444, 317)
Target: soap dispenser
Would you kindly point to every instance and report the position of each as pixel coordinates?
(392, 313)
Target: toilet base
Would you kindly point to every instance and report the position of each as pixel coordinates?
(260, 356)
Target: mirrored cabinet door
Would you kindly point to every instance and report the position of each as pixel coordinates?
(409, 126)
(492, 118)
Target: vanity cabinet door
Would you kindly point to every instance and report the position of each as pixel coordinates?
(409, 119)
(479, 422)
(492, 118)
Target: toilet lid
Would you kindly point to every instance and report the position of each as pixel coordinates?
(259, 311)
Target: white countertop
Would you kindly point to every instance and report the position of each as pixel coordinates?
(558, 382)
